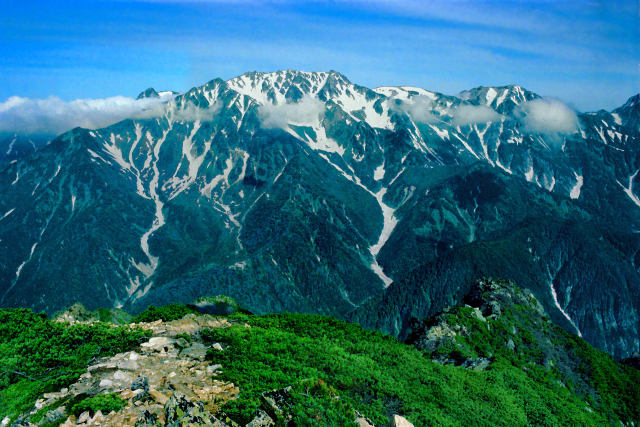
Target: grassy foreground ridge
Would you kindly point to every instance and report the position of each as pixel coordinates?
(542, 376)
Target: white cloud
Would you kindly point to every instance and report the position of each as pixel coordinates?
(52, 116)
(305, 111)
(549, 116)
(419, 108)
(190, 112)
(467, 114)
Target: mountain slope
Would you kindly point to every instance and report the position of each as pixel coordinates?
(297, 191)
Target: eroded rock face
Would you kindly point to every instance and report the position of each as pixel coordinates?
(277, 403)
(440, 336)
(180, 411)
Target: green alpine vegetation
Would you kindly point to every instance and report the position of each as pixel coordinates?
(495, 359)
(165, 313)
(39, 355)
(379, 376)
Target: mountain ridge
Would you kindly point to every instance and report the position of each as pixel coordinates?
(302, 191)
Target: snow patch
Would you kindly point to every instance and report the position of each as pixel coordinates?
(379, 172)
(575, 191)
(616, 118)
(564, 313)
(529, 174)
(629, 190)
(7, 213)
(490, 95)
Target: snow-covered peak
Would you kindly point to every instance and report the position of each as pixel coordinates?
(280, 87)
(501, 98)
(287, 87)
(152, 93)
(630, 108)
(404, 92)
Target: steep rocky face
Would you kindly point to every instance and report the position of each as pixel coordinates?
(305, 192)
(498, 323)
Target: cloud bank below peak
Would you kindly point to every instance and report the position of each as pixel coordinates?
(548, 115)
(307, 110)
(52, 116)
(467, 114)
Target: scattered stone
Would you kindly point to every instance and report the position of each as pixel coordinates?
(217, 346)
(398, 421)
(158, 396)
(146, 419)
(211, 369)
(122, 377)
(159, 344)
(180, 411)
(147, 377)
(196, 351)
(54, 415)
(363, 421)
(77, 313)
(102, 367)
(140, 383)
(106, 383)
(276, 404)
(262, 419)
(181, 343)
(128, 365)
(479, 364)
(510, 345)
(84, 417)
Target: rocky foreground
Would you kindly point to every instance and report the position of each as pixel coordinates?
(167, 381)
(495, 358)
(167, 375)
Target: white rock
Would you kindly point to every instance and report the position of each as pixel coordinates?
(134, 356)
(5, 421)
(159, 343)
(106, 383)
(97, 417)
(217, 346)
(122, 376)
(84, 417)
(128, 365)
(213, 368)
(398, 421)
(102, 367)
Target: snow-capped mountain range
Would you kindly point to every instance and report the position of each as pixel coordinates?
(303, 191)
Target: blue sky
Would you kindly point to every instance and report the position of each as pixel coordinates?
(586, 53)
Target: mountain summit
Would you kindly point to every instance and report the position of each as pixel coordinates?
(302, 191)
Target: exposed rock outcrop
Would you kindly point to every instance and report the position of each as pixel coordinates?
(166, 381)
